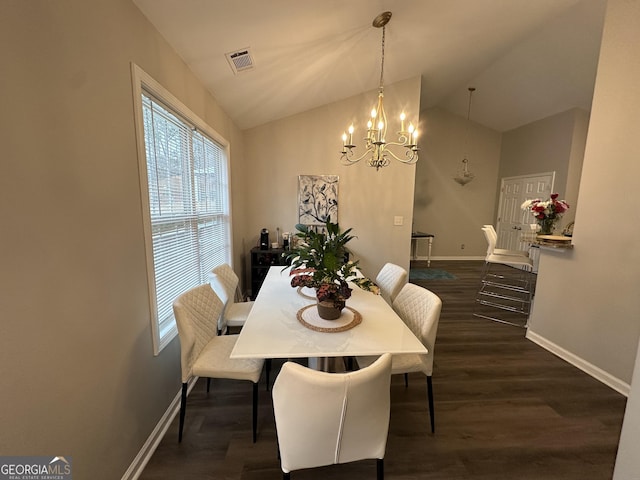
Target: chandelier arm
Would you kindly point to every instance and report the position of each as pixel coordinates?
(399, 144)
(379, 154)
(410, 154)
(348, 154)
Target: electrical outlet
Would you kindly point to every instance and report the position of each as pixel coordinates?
(398, 220)
(462, 246)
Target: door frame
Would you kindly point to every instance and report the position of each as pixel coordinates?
(525, 219)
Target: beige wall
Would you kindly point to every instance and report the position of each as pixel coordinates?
(78, 371)
(79, 375)
(455, 214)
(553, 144)
(587, 299)
(594, 314)
(576, 160)
(309, 144)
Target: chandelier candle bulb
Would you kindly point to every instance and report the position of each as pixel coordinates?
(402, 117)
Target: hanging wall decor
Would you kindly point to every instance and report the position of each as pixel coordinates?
(317, 199)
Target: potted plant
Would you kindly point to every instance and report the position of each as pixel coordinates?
(320, 261)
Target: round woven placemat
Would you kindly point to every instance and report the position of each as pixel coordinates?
(356, 320)
(302, 294)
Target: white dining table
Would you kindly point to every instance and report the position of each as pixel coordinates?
(273, 329)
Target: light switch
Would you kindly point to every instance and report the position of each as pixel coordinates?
(398, 220)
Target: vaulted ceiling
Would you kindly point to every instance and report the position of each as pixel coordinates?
(528, 59)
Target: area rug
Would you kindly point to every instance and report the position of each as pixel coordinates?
(430, 274)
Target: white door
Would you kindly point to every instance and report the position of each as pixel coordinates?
(512, 220)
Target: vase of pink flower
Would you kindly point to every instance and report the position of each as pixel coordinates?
(547, 212)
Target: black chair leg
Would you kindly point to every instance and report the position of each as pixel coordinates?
(208, 384)
(430, 397)
(255, 411)
(286, 476)
(268, 368)
(183, 409)
(350, 364)
(380, 468)
(406, 379)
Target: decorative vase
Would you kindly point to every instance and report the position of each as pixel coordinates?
(327, 309)
(547, 225)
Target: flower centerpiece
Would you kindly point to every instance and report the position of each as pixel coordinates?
(547, 212)
(320, 261)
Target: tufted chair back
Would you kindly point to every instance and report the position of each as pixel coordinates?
(391, 279)
(420, 309)
(197, 312)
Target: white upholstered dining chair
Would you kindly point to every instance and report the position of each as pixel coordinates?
(224, 282)
(332, 418)
(420, 309)
(391, 278)
(203, 353)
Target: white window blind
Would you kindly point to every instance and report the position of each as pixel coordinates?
(188, 193)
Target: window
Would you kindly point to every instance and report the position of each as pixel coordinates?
(184, 177)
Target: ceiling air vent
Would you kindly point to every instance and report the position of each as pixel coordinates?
(240, 60)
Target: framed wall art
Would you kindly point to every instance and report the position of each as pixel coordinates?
(317, 199)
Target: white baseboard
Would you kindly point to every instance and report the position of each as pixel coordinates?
(597, 373)
(448, 258)
(144, 455)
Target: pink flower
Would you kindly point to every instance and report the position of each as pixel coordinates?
(560, 207)
(554, 196)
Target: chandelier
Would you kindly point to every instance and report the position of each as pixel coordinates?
(377, 148)
(465, 175)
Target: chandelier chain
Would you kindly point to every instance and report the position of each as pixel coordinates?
(382, 60)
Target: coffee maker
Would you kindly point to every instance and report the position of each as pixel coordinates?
(264, 239)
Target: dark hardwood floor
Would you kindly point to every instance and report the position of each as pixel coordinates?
(505, 409)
